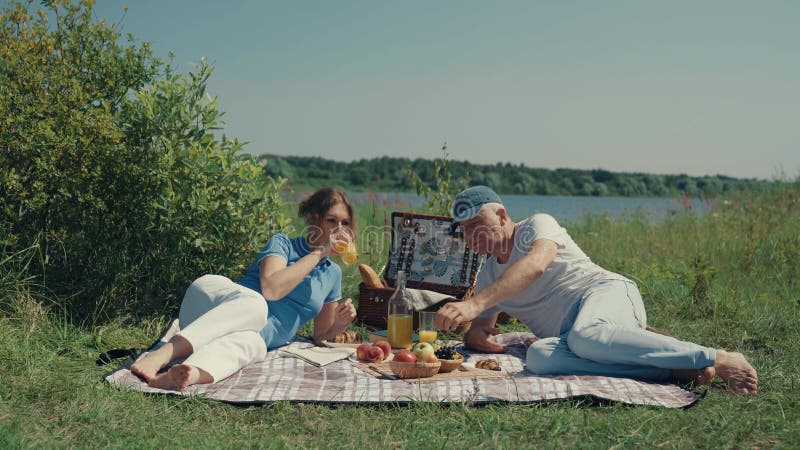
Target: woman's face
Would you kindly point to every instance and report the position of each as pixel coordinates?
(332, 221)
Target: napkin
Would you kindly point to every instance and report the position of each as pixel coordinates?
(320, 356)
(420, 299)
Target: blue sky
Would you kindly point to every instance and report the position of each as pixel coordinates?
(696, 87)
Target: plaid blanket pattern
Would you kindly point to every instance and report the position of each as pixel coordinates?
(282, 377)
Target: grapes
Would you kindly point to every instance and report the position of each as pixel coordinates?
(447, 352)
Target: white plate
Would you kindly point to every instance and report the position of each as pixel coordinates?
(354, 358)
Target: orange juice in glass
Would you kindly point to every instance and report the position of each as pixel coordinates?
(427, 328)
(344, 245)
(350, 255)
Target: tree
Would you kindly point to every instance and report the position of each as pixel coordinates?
(109, 165)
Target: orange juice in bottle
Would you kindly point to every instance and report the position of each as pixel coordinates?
(400, 319)
(401, 328)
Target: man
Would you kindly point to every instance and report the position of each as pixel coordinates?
(591, 321)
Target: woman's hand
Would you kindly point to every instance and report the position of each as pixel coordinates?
(337, 243)
(333, 319)
(325, 249)
(345, 313)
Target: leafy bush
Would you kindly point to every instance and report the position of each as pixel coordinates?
(441, 191)
(109, 165)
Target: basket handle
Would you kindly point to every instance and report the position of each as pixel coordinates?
(474, 271)
(406, 257)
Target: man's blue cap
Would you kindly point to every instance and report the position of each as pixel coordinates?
(468, 204)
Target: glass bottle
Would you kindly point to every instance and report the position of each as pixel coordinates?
(400, 315)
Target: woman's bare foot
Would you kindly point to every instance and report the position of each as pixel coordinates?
(737, 372)
(162, 381)
(184, 375)
(701, 377)
(179, 377)
(148, 365)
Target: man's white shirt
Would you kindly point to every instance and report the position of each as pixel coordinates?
(543, 305)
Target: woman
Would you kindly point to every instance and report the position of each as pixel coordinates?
(226, 326)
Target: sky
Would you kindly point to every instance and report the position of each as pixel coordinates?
(671, 87)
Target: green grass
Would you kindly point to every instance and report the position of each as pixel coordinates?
(730, 279)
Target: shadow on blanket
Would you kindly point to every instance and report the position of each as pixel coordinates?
(284, 378)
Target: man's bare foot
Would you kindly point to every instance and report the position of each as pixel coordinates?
(184, 375)
(737, 372)
(700, 377)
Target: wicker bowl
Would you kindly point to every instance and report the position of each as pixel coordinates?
(449, 365)
(415, 369)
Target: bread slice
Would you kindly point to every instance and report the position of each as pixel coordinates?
(370, 278)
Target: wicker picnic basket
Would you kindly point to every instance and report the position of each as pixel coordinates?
(431, 258)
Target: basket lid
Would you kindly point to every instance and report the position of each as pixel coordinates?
(423, 247)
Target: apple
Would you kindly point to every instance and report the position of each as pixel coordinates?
(424, 351)
(375, 354)
(405, 355)
(386, 347)
(362, 351)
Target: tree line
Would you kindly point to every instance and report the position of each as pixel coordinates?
(390, 174)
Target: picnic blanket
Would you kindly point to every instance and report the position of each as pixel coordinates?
(282, 377)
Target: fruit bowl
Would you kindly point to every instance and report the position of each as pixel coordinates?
(415, 369)
(449, 365)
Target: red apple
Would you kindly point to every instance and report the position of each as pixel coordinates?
(362, 351)
(375, 354)
(405, 355)
(384, 345)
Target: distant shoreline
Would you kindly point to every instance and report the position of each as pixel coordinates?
(386, 174)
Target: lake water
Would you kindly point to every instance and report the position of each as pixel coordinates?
(563, 208)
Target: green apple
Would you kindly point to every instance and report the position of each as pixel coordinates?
(424, 352)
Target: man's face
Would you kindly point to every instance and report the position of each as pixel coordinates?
(483, 233)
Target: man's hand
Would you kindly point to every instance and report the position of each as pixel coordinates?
(345, 313)
(451, 315)
(479, 338)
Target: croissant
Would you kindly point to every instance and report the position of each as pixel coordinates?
(348, 337)
(488, 364)
(463, 327)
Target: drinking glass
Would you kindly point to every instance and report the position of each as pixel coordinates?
(344, 245)
(427, 327)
